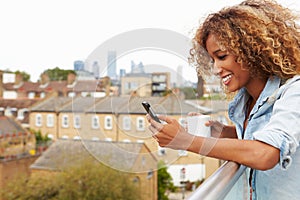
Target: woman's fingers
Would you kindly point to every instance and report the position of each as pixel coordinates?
(165, 118)
(158, 126)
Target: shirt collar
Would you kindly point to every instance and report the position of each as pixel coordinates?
(237, 106)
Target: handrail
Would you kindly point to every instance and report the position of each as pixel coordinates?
(217, 186)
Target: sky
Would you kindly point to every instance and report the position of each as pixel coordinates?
(37, 35)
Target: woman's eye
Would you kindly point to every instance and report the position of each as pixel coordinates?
(222, 57)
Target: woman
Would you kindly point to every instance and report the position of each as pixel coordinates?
(255, 50)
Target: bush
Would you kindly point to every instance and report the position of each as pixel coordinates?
(86, 182)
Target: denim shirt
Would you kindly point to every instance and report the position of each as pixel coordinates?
(275, 120)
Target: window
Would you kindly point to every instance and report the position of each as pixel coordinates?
(85, 94)
(38, 120)
(140, 123)
(65, 121)
(76, 121)
(131, 85)
(50, 120)
(161, 151)
(126, 123)
(76, 137)
(22, 113)
(65, 137)
(108, 122)
(95, 122)
(71, 94)
(31, 95)
(42, 95)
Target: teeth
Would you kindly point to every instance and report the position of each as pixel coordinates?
(226, 78)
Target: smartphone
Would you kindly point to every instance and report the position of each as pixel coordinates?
(150, 111)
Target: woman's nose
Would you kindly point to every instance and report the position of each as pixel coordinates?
(216, 69)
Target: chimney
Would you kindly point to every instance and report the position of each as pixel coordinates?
(19, 79)
(45, 79)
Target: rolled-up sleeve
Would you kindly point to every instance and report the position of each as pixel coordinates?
(283, 129)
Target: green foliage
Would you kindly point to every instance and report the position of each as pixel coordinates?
(40, 139)
(88, 181)
(57, 74)
(26, 76)
(189, 92)
(164, 181)
(215, 96)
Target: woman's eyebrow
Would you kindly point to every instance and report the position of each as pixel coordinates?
(216, 51)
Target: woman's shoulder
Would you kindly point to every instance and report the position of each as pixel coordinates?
(291, 85)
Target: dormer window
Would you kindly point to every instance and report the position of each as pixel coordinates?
(31, 95)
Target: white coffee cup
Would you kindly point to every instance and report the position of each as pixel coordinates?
(196, 125)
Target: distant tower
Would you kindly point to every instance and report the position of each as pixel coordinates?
(122, 72)
(112, 64)
(78, 65)
(137, 68)
(132, 66)
(96, 69)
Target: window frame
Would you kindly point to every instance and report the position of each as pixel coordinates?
(95, 118)
(108, 126)
(76, 119)
(38, 120)
(138, 127)
(126, 123)
(65, 121)
(50, 120)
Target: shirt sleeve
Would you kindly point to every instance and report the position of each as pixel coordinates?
(283, 129)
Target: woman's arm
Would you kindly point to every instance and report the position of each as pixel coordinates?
(254, 154)
(251, 153)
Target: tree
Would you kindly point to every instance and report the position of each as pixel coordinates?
(39, 136)
(25, 76)
(90, 180)
(189, 92)
(164, 181)
(57, 74)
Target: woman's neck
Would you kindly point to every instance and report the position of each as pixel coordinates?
(255, 87)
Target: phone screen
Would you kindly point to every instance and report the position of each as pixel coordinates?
(150, 111)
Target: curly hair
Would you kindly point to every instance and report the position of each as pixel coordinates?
(262, 35)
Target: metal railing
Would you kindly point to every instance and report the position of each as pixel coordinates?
(219, 184)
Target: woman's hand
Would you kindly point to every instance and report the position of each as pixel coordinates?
(216, 128)
(171, 134)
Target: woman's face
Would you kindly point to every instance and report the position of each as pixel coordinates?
(225, 66)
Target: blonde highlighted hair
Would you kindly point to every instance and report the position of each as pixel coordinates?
(261, 33)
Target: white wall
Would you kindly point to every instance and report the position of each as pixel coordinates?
(193, 172)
